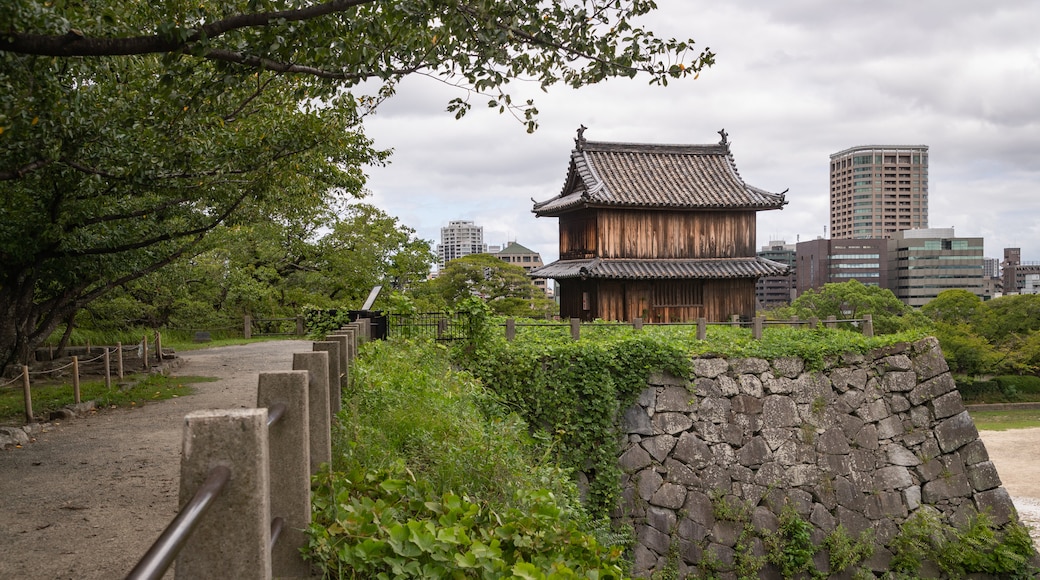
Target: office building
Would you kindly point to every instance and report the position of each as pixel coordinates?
(823, 261)
(878, 190)
(1017, 273)
(924, 262)
(460, 238)
(526, 258)
(773, 291)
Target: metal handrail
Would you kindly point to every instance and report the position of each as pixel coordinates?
(164, 551)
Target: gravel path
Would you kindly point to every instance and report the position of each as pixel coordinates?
(88, 497)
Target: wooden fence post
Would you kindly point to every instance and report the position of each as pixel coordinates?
(510, 329)
(247, 326)
(28, 394)
(158, 347)
(702, 328)
(119, 359)
(108, 367)
(576, 328)
(144, 352)
(75, 380)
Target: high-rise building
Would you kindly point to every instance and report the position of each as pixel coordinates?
(1016, 273)
(922, 263)
(878, 190)
(772, 291)
(460, 238)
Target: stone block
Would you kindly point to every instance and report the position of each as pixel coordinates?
(663, 520)
(770, 474)
(983, 476)
(890, 427)
(733, 433)
(821, 518)
(675, 399)
(776, 385)
(747, 404)
(750, 385)
(873, 411)
(678, 473)
(658, 447)
(955, 432)
(636, 420)
(803, 475)
(928, 362)
(854, 522)
(775, 437)
(693, 452)
(728, 386)
(714, 409)
(789, 366)
(898, 403)
(833, 441)
(755, 453)
(754, 366)
(644, 561)
(672, 423)
(647, 483)
(892, 504)
(764, 519)
(974, 452)
(780, 411)
(648, 398)
(932, 388)
(688, 529)
(726, 532)
(669, 495)
(944, 488)
(897, 362)
(706, 388)
(996, 503)
(898, 381)
(741, 474)
(12, 436)
(921, 416)
(947, 405)
(898, 455)
(912, 497)
(660, 379)
(893, 477)
(863, 460)
(634, 459)
(709, 367)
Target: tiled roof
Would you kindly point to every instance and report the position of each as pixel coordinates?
(641, 269)
(655, 176)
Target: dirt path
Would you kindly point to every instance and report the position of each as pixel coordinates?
(88, 497)
(1016, 453)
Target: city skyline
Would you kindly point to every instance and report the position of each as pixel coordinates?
(792, 85)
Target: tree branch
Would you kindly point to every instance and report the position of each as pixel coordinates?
(25, 169)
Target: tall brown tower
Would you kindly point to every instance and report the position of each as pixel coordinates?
(877, 190)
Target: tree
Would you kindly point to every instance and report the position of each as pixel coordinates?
(131, 131)
(505, 287)
(953, 306)
(852, 300)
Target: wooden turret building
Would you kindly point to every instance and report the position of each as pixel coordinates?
(665, 233)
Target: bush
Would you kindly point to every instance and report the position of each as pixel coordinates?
(1024, 384)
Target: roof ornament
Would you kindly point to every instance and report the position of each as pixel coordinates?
(579, 141)
(724, 135)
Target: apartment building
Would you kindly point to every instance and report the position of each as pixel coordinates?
(878, 190)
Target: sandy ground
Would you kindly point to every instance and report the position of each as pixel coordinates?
(87, 498)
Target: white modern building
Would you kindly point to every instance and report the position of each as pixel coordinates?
(460, 238)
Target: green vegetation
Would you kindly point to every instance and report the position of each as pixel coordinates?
(139, 390)
(852, 300)
(958, 552)
(432, 477)
(1004, 420)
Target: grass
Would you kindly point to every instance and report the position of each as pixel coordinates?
(1004, 420)
(184, 345)
(139, 389)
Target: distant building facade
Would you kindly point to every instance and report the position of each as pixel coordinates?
(460, 238)
(878, 190)
(527, 259)
(1018, 276)
(824, 261)
(773, 291)
(925, 262)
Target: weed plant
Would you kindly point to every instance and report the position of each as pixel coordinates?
(433, 477)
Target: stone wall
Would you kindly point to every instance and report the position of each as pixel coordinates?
(864, 444)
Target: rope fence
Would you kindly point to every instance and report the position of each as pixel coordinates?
(142, 348)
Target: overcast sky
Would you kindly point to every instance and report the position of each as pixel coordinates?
(794, 82)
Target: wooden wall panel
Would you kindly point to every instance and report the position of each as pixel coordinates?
(672, 234)
(577, 235)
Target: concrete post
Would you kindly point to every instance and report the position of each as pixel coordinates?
(75, 380)
(119, 360)
(510, 329)
(247, 327)
(289, 470)
(702, 328)
(241, 515)
(832, 322)
(366, 329)
(868, 325)
(756, 327)
(814, 323)
(734, 320)
(335, 393)
(344, 363)
(637, 323)
(301, 329)
(317, 366)
(576, 328)
(27, 394)
(351, 332)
